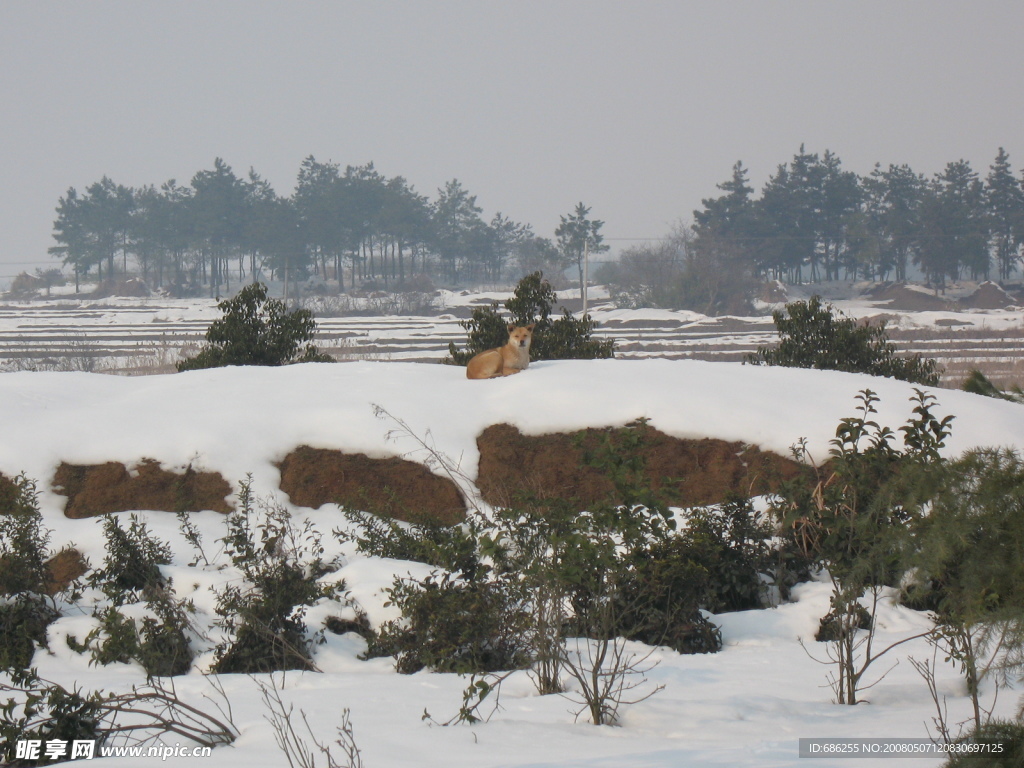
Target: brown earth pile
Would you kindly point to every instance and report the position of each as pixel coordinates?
(132, 287)
(391, 487)
(63, 568)
(901, 297)
(688, 472)
(988, 296)
(102, 488)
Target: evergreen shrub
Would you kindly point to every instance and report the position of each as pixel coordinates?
(26, 610)
(450, 624)
(132, 562)
(452, 548)
(816, 335)
(257, 330)
(562, 338)
(281, 565)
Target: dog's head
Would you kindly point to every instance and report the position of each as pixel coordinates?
(520, 335)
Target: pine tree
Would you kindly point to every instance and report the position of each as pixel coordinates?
(579, 236)
(217, 207)
(1005, 202)
(953, 232)
(903, 190)
(70, 233)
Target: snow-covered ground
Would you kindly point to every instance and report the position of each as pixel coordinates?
(148, 335)
(745, 706)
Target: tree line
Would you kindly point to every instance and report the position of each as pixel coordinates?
(815, 221)
(352, 225)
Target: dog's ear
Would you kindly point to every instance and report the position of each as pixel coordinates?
(511, 327)
(531, 326)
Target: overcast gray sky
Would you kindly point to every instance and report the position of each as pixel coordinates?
(636, 108)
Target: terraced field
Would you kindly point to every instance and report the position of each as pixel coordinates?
(135, 336)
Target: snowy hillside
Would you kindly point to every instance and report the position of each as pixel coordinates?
(745, 706)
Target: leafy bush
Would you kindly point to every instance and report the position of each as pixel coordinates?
(161, 645)
(47, 712)
(732, 543)
(631, 576)
(257, 330)
(660, 598)
(451, 624)
(1007, 736)
(968, 568)
(281, 566)
(130, 575)
(25, 608)
(452, 548)
(24, 541)
(815, 335)
(564, 338)
(967, 552)
(132, 562)
(23, 623)
(856, 522)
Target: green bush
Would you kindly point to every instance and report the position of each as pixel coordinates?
(25, 608)
(42, 710)
(24, 540)
(563, 338)
(47, 712)
(450, 624)
(281, 566)
(257, 330)
(855, 521)
(815, 335)
(23, 623)
(660, 596)
(621, 566)
(967, 548)
(1007, 736)
(132, 561)
(131, 574)
(160, 645)
(731, 542)
(452, 548)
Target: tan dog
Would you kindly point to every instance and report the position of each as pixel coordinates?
(503, 361)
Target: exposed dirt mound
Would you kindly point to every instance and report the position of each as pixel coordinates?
(904, 298)
(132, 287)
(63, 568)
(988, 296)
(687, 472)
(391, 487)
(101, 488)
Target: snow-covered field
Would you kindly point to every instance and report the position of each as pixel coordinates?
(745, 706)
(147, 335)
